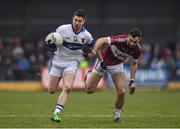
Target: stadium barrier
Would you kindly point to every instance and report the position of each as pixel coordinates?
(21, 86)
(174, 85)
(145, 78)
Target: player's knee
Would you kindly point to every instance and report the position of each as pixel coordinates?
(51, 90)
(121, 91)
(67, 89)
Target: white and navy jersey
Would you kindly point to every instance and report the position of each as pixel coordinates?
(73, 42)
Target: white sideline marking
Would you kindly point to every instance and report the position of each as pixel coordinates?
(16, 115)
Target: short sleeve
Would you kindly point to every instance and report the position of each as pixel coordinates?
(109, 40)
(60, 29)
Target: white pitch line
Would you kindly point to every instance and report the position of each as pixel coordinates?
(92, 116)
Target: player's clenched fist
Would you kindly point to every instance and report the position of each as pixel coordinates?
(92, 54)
(132, 86)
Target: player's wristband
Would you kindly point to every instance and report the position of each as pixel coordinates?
(94, 53)
(132, 80)
(132, 83)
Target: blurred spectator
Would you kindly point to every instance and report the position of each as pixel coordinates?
(7, 69)
(145, 56)
(18, 51)
(157, 60)
(177, 61)
(21, 68)
(170, 62)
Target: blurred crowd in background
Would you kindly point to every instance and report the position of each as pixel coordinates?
(23, 23)
(22, 59)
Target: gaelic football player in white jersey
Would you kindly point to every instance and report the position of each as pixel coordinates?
(66, 59)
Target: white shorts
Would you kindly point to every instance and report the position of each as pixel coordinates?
(61, 67)
(112, 69)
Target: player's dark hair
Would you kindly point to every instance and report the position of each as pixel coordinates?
(135, 32)
(80, 13)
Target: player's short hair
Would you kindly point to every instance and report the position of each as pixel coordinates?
(80, 13)
(135, 32)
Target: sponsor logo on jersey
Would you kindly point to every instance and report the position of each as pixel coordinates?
(120, 40)
(118, 54)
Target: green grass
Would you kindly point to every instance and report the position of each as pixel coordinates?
(143, 109)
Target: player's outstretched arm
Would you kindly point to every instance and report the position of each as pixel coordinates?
(99, 43)
(133, 70)
(96, 48)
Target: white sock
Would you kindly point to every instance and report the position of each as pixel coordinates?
(58, 109)
(117, 112)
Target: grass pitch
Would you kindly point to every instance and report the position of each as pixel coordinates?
(143, 109)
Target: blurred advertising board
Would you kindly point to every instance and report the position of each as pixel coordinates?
(79, 80)
(145, 77)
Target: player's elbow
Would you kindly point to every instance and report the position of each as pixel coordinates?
(51, 90)
(102, 41)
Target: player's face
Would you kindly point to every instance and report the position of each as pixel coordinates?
(77, 23)
(133, 41)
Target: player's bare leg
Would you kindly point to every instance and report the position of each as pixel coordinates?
(52, 87)
(119, 81)
(91, 82)
(53, 83)
(68, 81)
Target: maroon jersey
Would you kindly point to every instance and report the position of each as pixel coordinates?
(119, 50)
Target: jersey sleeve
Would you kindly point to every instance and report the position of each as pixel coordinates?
(90, 41)
(109, 40)
(116, 39)
(60, 29)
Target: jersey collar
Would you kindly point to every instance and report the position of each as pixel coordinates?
(82, 29)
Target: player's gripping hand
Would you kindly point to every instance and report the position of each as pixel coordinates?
(132, 86)
(50, 45)
(91, 55)
(49, 42)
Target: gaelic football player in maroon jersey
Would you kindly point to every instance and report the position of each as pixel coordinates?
(119, 48)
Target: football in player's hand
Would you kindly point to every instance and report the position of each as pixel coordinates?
(54, 38)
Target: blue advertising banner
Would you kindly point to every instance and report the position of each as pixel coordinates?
(145, 77)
